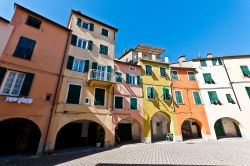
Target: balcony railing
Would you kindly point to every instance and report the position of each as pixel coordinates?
(101, 75)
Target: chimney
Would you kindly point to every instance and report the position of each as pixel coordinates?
(209, 55)
(181, 58)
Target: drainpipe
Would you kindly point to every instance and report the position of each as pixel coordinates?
(230, 82)
(57, 89)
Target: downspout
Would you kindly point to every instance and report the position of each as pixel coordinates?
(230, 82)
(57, 89)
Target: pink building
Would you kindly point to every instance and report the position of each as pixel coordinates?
(127, 108)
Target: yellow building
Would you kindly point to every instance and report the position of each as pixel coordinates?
(159, 117)
(83, 114)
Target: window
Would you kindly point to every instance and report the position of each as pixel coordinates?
(208, 78)
(74, 93)
(13, 83)
(216, 62)
(25, 48)
(174, 75)
(118, 77)
(197, 98)
(132, 68)
(99, 97)
(248, 91)
(178, 97)
(163, 72)
(133, 79)
(81, 43)
(203, 63)
(103, 49)
(148, 69)
(166, 93)
(150, 93)
(105, 32)
(118, 102)
(85, 25)
(245, 71)
(230, 99)
(213, 97)
(191, 76)
(86, 101)
(133, 103)
(78, 65)
(34, 22)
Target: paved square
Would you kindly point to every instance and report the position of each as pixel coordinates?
(195, 152)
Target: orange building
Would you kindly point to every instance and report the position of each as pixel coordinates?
(30, 66)
(190, 112)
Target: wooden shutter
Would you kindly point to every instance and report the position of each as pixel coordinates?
(86, 66)
(138, 80)
(70, 62)
(118, 102)
(248, 91)
(164, 93)
(79, 22)
(197, 98)
(27, 84)
(214, 61)
(99, 97)
(178, 97)
(94, 65)
(133, 103)
(149, 92)
(91, 27)
(203, 63)
(230, 99)
(127, 78)
(90, 45)
(74, 93)
(245, 70)
(3, 71)
(73, 40)
(25, 48)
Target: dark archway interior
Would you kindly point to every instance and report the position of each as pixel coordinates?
(19, 136)
(80, 134)
(190, 130)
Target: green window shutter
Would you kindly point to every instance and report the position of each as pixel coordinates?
(245, 70)
(153, 93)
(109, 74)
(197, 98)
(149, 92)
(191, 76)
(148, 69)
(138, 80)
(174, 75)
(248, 91)
(94, 65)
(27, 84)
(91, 27)
(24, 48)
(133, 103)
(168, 94)
(230, 99)
(3, 70)
(208, 78)
(164, 93)
(73, 40)
(127, 78)
(99, 97)
(178, 97)
(118, 77)
(118, 102)
(106, 50)
(213, 97)
(214, 61)
(70, 62)
(90, 45)
(109, 69)
(203, 63)
(220, 61)
(86, 66)
(74, 93)
(79, 22)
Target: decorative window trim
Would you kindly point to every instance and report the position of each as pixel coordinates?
(122, 102)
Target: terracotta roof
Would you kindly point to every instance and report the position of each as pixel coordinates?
(151, 50)
(5, 20)
(92, 19)
(40, 16)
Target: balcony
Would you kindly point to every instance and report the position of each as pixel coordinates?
(100, 78)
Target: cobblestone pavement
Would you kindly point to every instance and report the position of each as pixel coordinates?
(196, 152)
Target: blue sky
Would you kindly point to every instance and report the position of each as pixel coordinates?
(189, 27)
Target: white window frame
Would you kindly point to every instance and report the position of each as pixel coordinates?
(80, 59)
(85, 23)
(199, 95)
(104, 98)
(122, 102)
(147, 92)
(167, 87)
(160, 70)
(146, 69)
(80, 97)
(106, 30)
(181, 97)
(194, 75)
(12, 85)
(136, 81)
(177, 75)
(77, 42)
(136, 104)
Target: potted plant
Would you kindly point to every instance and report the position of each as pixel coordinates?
(99, 138)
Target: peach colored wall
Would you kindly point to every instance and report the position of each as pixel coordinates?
(189, 110)
(128, 91)
(5, 32)
(45, 65)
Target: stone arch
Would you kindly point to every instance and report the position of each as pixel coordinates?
(21, 136)
(191, 128)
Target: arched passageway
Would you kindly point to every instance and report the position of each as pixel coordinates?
(190, 129)
(19, 136)
(81, 133)
(160, 126)
(227, 127)
(127, 131)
